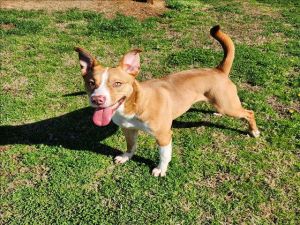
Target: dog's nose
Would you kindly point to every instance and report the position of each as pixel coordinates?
(98, 100)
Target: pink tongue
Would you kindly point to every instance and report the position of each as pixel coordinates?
(102, 117)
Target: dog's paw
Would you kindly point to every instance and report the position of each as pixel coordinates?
(218, 114)
(255, 133)
(122, 158)
(158, 172)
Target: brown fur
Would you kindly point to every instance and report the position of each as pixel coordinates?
(158, 102)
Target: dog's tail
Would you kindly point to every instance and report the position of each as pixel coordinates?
(228, 48)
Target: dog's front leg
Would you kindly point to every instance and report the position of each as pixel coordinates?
(165, 155)
(130, 136)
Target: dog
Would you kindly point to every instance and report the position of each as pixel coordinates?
(152, 105)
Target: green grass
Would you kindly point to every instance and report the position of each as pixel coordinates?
(56, 167)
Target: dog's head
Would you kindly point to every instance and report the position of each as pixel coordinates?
(108, 88)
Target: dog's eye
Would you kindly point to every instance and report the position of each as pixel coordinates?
(117, 84)
(91, 83)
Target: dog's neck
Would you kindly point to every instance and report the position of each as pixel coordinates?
(131, 103)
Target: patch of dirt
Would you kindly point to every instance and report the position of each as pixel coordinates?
(7, 26)
(138, 9)
(267, 210)
(18, 183)
(249, 87)
(282, 109)
(39, 173)
(4, 148)
(260, 10)
(277, 106)
(16, 86)
(186, 205)
(249, 26)
(69, 62)
(94, 184)
(215, 180)
(218, 179)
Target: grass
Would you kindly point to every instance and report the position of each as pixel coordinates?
(56, 167)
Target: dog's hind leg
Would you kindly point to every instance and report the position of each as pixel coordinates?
(247, 115)
(130, 136)
(217, 114)
(227, 102)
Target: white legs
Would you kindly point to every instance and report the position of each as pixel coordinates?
(130, 136)
(165, 154)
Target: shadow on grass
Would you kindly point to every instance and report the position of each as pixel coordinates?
(75, 131)
(182, 124)
(78, 93)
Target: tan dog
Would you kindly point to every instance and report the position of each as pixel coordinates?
(152, 105)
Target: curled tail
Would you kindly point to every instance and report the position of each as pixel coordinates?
(228, 48)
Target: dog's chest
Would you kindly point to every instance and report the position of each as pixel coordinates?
(130, 122)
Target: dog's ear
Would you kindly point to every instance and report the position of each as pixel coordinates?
(87, 62)
(130, 62)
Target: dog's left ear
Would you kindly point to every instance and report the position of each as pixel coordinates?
(87, 62)
(130, 62)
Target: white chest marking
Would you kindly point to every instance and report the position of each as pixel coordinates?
(129, 121)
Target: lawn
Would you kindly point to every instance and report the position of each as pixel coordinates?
(56, 167)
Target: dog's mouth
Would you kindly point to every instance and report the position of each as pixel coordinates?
(102, 116)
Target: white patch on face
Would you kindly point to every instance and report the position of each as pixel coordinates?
(103, 90)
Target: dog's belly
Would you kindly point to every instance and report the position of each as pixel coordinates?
(130, 122)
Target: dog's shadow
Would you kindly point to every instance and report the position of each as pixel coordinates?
(182, 124)
(75, 131)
